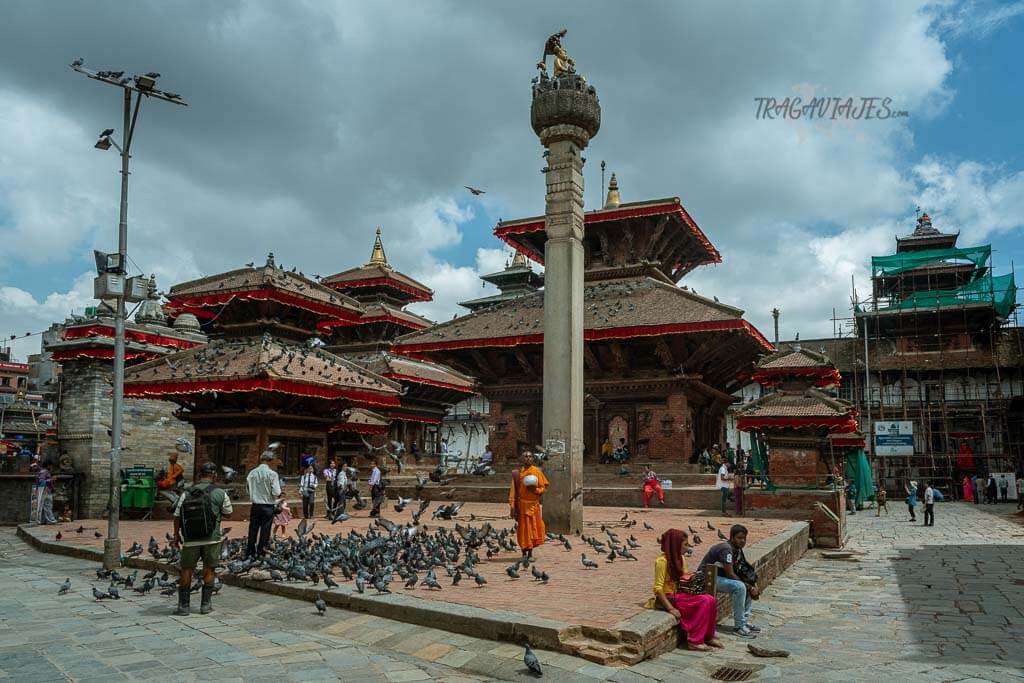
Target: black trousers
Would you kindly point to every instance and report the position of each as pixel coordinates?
(377, 496)
(332, 496)
(261, 519)
(307, 506)
(929, 514)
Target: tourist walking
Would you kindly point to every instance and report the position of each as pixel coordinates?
(264, 491)
(330, 474)
(197, 519)
(728, 556)
(912, 500)
(696, 614)
(528, 485)
(976, 487)
(990, 490)
(652, 486)
(929, 505)
(376, 483)
(722, 484)
(1004, 489)
(307, 489)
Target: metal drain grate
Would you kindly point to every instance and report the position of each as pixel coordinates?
(731, 673)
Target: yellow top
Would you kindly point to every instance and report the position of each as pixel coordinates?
(377, 258)
(663, 583)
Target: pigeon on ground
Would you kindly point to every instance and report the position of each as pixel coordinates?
(624, 517)
(587, 562)
(710, 527)
(80, 529)
(97, 534)
(112, 592)
(531, 662)
(480, 581)
(648, 526)
(511, 571)
(98, 595)
(321, 606)
(329, 582)
(58, 536)
(65, 587)
(691, 529)
(697, 539)
(721, 536)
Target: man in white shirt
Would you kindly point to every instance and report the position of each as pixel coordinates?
(376, 488)
(929, 505)
(330, 475)
(722, 484)
(264, 492)
(307, 489)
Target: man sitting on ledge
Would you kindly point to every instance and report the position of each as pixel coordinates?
(175, 473)
(728, 555)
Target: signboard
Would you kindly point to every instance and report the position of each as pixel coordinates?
(894, 438)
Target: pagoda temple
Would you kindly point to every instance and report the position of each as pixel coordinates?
(660, 360)
(518, 278)
(262, 377)
(84, 347)
(806, 433)
(428, 388)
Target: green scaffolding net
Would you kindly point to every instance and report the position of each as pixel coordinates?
(1000, 292)
(859, 471)
(898, 263)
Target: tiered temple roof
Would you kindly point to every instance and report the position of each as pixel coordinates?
(796, 405)
(378, 279)
(516, 279)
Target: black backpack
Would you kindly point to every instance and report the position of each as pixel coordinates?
(199, 515)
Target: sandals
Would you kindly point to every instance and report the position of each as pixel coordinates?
(700, 647)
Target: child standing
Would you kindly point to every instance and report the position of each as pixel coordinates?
(880, 502)
(283, 515)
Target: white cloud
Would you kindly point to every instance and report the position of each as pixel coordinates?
(20, 312)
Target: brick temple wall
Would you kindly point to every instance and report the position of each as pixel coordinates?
(84, 411)
(662, 430)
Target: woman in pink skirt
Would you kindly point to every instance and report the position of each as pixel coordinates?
(696, 614)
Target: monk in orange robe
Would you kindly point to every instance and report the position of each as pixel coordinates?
(174, 473)
(524, 502)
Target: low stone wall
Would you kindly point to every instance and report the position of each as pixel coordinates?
(646, 634)
(828, 531)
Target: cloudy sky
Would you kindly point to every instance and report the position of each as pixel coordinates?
(311, 123)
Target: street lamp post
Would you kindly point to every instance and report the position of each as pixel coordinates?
(135, 88)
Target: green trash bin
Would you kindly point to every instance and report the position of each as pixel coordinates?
(144, 493)
(127, 495)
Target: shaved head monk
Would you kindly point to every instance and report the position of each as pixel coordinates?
(528, 485)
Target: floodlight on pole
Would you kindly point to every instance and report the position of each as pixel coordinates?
(114, 284)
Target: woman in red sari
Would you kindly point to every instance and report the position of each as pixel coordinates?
(696, 614)
(968, 489)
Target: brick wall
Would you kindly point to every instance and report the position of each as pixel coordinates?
(665, 432)
(507, 429)
(84, 411)
(801, 504)
(790, 466)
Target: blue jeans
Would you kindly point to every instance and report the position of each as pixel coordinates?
(741, 600)
(725, 499)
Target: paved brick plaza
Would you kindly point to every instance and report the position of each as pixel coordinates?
(872, 619)
(568, 597)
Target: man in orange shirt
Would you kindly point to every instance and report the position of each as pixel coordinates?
(528, 485)
(174, 473)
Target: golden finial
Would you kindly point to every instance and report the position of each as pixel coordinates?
(377, 258)
(519, 261)
(613, 194)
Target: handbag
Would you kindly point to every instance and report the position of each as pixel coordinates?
(694, 584)
(745, 571)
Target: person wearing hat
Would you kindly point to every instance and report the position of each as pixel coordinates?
(912, 500)
(264, 494)
(528, 485)
(207, 546)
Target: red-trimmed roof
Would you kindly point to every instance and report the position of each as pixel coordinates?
(507, 230)
(102, 330)
(373, 275)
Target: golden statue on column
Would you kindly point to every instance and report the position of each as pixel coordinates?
(564, 64)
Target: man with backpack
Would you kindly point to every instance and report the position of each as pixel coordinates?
(197, 531)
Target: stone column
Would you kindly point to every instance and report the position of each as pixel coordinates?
(565, 114)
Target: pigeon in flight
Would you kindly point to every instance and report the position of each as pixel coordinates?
(78, 62)
(107, 133)
(476, 192)
(153, 74)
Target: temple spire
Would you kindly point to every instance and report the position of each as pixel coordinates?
(377, 258)
(613, 194)
(519, 260)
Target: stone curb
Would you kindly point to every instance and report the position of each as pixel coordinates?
(640, 637)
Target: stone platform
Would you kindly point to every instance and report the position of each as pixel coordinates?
(596, 614)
